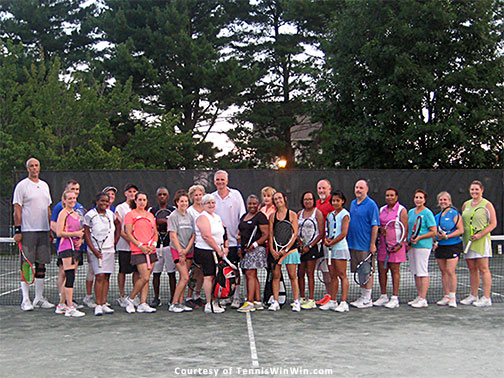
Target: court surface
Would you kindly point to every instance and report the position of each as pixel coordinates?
(433, 342)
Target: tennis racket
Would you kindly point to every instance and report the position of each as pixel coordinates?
(330, 235)
(27, 271)
(144, 232)
(364, 271)
(416, 229)
(162, 226)
(445, 221)
(394, 234)
(307, 232)
(480, 219)
(321, 275)
(252, 236)
(100, 228)
(283, 234)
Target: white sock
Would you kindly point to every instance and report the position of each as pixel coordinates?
(25, 290)
(451, 295)
(39, 288)
(296, 301)
(394, 297)
(366, 294)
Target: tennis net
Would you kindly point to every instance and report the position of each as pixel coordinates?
(10, 293)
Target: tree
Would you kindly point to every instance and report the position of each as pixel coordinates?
(414, 84)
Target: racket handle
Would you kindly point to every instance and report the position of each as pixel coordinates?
(468, 247)
(329, 254)
(160, 252)
(99, 262)
(149, 265)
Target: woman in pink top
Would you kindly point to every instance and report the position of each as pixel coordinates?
(393, 210)
(146, 231)
(69, 229)
(268, 206)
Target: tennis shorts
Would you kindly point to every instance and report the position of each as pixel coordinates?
(337, 254)
(205, 259)
(293, 258)
(37, 247)
(176, 257)
(125, 265)
(141, 258)
(68, 253)
(419, 261)
(108, 262)
(446, 252)
(357, 256)
(313, 254)
(165, 261)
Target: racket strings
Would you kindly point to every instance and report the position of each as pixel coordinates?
(283, 233)
(307, 232)
(143, 230)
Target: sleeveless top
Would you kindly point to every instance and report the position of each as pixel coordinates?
(216, 228)
(479, 245)
(334, 223)
(72, 224)
(385, 216)
(276, 220)
(313, 217)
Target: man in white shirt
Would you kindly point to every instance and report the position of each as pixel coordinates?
(229, 205)
(32, 213)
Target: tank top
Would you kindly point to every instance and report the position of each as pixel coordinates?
(72, 224)
(479, 245)
(276, 220)
(385, 216)
(313, 217)
(216, 228)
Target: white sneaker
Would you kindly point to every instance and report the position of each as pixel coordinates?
(309, 305)
(130, 306)
(421, 303)
(275, 306)
(174, 307)
(342, 307)
(42, 303)
(122, 302)
(236, 303)
(216, 308)
(483, 302)
(78, 306)
(60, 309)
(470, 299)
(362, 303)
(453, 302)
(393, 303)
(410, 303)
(225, 301)
(144, 307)
(72, 312)
(26, 305)
(381, 301)
(443, 301)
(106, 309)
(185, 308)
(98, 311)
(136, 301)
(331, 305)
(297, 306)
(89, 301)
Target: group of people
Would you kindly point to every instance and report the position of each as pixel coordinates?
(203, 227)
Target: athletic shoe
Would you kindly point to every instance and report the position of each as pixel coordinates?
(72, 312)
(309, 305)
(89, 301)
(259, 306)
(42, 303)
(107, 310)
(381, 301)
(236, 303)
(443, 301)
(331, 305)
(144, 307)
(362, 303)
(156, 302)
(483, 302)
(77, 305)
(122, 302)
(60, 308)
(275, 306)
(185, 308)
(225, 301)
(297, 306)
(393, 303)
(324, 300)
(175, 308)
(26, 305)
(98, 311)
(420, 303)
(342, 307)
(216, 308)
(414, 300)
(199, 302)
(130, 306)
(190, 303)
(136, 301)
(452, 302)
(470, 299)
(247, 307)
(303, 301)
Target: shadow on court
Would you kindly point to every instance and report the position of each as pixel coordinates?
(462, 342)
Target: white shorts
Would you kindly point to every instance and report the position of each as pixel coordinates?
(475, 255)
(419, 261)
(339, 254)
(108, 262)
(164, 261)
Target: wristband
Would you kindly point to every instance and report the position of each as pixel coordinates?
(255, 245)
(17, 229)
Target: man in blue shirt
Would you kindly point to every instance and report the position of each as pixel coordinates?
(362, 233)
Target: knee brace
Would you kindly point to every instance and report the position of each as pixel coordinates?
(70, 278)
(39, 271)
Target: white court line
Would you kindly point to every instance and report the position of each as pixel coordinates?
(19, 288)
(6, 274)
(253, 350)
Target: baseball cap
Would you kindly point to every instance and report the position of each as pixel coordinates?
(107, 188)
(129, 186)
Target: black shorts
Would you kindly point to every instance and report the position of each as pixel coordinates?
(142, 259)
(125, 265)
(448, 251)
(205, 259)
(313, 254)
(233, 255)
(75, 255)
